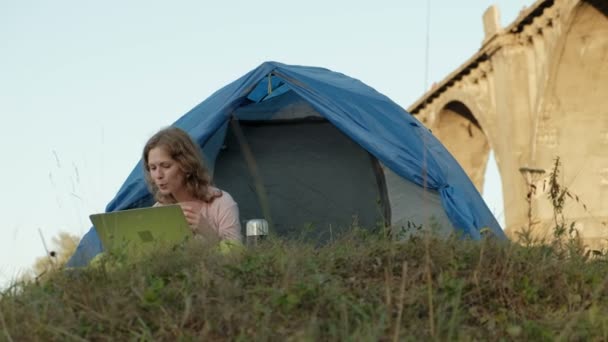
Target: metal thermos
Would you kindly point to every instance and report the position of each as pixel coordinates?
(257, 231)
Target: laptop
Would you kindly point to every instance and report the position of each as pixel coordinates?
(137, 232)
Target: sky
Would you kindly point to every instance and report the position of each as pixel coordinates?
(84, 84)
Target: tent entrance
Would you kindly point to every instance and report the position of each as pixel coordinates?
(318, 182)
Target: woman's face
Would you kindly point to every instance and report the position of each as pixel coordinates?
(166, 172)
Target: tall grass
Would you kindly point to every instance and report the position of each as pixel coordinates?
(361, 287)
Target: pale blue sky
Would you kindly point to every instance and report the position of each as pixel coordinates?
(83, 84)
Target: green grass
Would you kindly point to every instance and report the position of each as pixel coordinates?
(360, 288)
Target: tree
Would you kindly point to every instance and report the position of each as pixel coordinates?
(62, 248)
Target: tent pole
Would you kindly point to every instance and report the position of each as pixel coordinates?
(253, 169)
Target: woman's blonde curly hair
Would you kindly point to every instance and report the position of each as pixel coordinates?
(180, 146)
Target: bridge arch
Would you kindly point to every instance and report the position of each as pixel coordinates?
(457, 124)
(480, 110)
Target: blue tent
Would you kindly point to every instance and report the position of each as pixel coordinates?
(409, 156)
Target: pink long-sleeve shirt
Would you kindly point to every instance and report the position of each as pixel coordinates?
(223, 215)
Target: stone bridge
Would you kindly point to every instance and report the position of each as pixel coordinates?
(536, 90)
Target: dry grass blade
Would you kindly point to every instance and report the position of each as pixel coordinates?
(187, 311)
(401, 300)
(5, 328)
(64, 333)
(429, 284)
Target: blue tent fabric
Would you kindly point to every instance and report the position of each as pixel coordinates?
(368, 117)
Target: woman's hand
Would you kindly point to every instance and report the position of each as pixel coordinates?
(192, 212)
(197, 222)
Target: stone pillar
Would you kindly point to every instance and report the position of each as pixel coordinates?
(513, 118)
(573, 124)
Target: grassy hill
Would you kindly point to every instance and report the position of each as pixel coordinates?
(361, 287)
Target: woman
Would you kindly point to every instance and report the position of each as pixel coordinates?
(175, 174)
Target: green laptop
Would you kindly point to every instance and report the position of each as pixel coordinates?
(137, 232)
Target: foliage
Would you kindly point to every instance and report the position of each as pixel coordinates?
(63, 246)
(361, 287)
